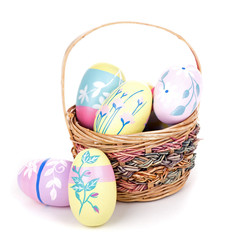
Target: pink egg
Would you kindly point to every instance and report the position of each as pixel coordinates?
(83, 113)
(177, 94)
(152, 90)
(46, 181)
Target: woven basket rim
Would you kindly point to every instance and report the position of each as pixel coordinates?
(146, 134)
(142, 140)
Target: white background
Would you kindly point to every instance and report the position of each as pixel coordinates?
(33, 38)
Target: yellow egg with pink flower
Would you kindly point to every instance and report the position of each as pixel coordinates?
(125, 111)
(92, 188)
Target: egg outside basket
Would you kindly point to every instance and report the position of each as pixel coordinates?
(147, 165)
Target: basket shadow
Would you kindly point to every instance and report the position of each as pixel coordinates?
(155, 211)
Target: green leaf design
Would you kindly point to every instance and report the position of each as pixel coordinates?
(77, 188)
(77, 196)
(85, 157)
(164, 75)
(178, 111)
(194, 106)
(91, 184)
(162, 78)
(186, 93)
(197, 90)
(93, 159)
(77, 180)
(80, 186)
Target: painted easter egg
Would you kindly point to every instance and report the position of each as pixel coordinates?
(96, 85)
(177, 94)
(125, 111)
(46, 181)
(92, 188)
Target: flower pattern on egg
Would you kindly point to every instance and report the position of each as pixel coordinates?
(126, 118)
(84, 94)
(81, 186)
(55, 167)
(195, 91)
(98, 86)
(116, 102)
(29, 169)
(177, 94)
(169, 89)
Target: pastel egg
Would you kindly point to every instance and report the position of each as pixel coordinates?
(46, 181)
(92, 188)
(177, 94)
(125, 111)
(96, 85)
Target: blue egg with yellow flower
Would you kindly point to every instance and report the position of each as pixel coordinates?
(96, 85)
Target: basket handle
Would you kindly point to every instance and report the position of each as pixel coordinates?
(73, 43)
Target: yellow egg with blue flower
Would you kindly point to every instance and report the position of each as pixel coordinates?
(125, 111)
(92, 188)
(96, 85)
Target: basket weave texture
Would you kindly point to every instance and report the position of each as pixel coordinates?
(147, 165)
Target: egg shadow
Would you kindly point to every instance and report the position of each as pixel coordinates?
(49, 213)
(125, 214)
(154, 123)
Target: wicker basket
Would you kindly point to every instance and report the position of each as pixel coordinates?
(147, 165)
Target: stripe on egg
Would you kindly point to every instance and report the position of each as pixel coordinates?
(38, 179)
(105, 173)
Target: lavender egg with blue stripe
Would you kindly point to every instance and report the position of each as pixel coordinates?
(46, 181)
(96, 85)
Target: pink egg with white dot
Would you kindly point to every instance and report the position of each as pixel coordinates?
(46, 181)
(177, 94)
